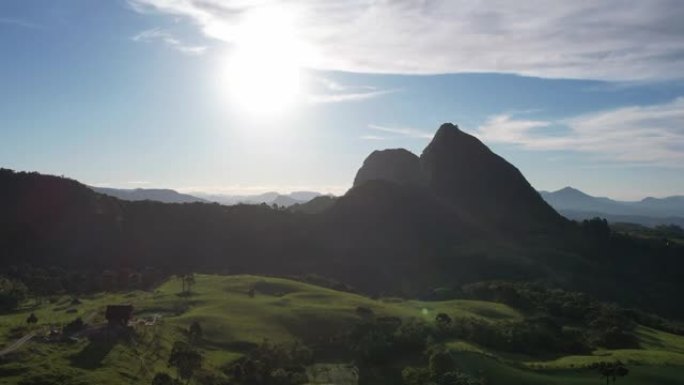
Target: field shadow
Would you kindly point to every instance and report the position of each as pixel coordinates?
(235, 346)
(91, 356)
(649, 339)
(10, 369)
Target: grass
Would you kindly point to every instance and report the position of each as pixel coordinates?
(498, 372)
(283, 311)
(657, 348)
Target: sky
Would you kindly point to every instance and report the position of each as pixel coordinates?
(238, 97)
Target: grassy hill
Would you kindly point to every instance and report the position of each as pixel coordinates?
(283, 310)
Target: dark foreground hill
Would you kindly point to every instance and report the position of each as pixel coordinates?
(467, 216)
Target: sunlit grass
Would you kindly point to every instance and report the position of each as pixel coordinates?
(284, 310)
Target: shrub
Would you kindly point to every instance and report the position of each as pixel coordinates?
(415, 376)
(458, 378)
(74, 326)
(441, 362)
(364, 312)
(11, 294)
(163, 379)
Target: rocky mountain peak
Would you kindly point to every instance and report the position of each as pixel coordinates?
(393, 165)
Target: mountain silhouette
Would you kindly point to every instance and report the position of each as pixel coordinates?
(140, 194)
(465, 174)
(269, 198)
(394, 165)
(463, 171)
(575, 204)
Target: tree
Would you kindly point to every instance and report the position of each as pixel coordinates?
(74, 326)
(415, 376)
(364, 312)
(163, 379)
(185, 359)
(237, 372)
(440, 363)
(610, 370)
(189, 281)
(195, 332)
(11, 294)
(620, 371)
(32, 319)
(182, 279)
(443, 321)
(457, 378)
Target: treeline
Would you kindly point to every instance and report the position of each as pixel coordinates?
(568, 307)
(20, 283)
(12, 293)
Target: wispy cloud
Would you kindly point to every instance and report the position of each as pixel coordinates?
(345, 97)
(651, 135)
(508, 129)
(372, 137)
(19, 23)
(334, 92)
(157, 34)
(397, 132)
(608, 40)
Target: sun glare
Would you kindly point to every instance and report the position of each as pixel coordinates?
(263, 72)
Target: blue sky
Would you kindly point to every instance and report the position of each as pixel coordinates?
(146, 93)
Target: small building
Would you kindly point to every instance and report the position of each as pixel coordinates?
(119, 315)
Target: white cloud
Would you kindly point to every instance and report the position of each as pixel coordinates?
(505, 128)
(639, 134)
(407, 132)
(19, 23)
(608, 39)
(157, 34)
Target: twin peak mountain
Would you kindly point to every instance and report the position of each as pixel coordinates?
(461, 174)
(457, 212)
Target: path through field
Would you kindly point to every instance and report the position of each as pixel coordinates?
(17, 344)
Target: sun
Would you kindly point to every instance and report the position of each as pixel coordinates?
(263, 74)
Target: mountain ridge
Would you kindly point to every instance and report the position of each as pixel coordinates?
(165, 195)
(649, 211)
(464, 172)
(151, 194)
(478, 219)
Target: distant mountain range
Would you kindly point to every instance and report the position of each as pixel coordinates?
(572, 203)
(270, 198)
(140, 194)
(577, 205)
(172, 196)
